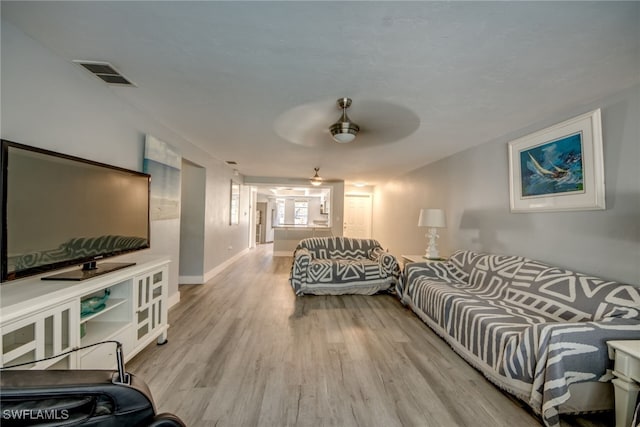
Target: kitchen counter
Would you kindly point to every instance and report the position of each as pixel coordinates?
(286, 237)
(301, 227)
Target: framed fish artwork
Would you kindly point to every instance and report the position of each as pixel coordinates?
(559, 168)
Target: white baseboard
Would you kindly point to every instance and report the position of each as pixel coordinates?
(199, 280)
(190, 280)
(174, 299)
(282, 253)
(211, 273)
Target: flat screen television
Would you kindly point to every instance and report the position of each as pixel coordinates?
(60, 211)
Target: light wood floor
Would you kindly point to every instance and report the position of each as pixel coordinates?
(244, 351)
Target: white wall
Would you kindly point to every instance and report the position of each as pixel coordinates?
(473, 188)
(193, 196)
(51, 103)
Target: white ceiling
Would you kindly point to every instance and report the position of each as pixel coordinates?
(226, 75)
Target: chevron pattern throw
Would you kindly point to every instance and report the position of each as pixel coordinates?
(531, 328)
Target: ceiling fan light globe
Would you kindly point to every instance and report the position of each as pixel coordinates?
(344, 137)
(344, 132)
(316, 179)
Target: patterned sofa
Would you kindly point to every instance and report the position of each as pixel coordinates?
(341, 265)
(537, 331)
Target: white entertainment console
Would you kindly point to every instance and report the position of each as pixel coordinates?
(39, 319)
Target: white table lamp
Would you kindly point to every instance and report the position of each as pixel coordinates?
(432, 218)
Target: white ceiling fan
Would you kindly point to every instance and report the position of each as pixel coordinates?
(344, 130)
(325, 123)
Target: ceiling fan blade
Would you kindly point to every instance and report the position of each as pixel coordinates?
(381, 122)
(307, 124)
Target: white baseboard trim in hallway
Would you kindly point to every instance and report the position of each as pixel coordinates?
(191, 280)
(174, 299)
(198, 280)
(282, 253)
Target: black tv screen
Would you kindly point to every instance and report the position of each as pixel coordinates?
(60, 210)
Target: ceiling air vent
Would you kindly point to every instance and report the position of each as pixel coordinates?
(105, 72)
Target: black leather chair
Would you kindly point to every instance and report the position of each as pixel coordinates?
(77, 398)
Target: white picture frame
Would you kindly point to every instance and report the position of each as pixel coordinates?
(560, 168)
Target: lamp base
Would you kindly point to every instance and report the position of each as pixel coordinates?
(434, 259)
(432, 248)
(432, 255)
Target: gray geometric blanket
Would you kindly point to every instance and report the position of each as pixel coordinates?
(341, 265)
(531, 328)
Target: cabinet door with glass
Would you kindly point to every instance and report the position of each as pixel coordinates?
(42, 335)
(150, 317)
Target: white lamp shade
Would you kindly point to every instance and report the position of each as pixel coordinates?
(432, 218)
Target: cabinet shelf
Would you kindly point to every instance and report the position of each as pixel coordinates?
(23, 358)
(101, 331)
(110, 305)
(15, 350)
(27, 353)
